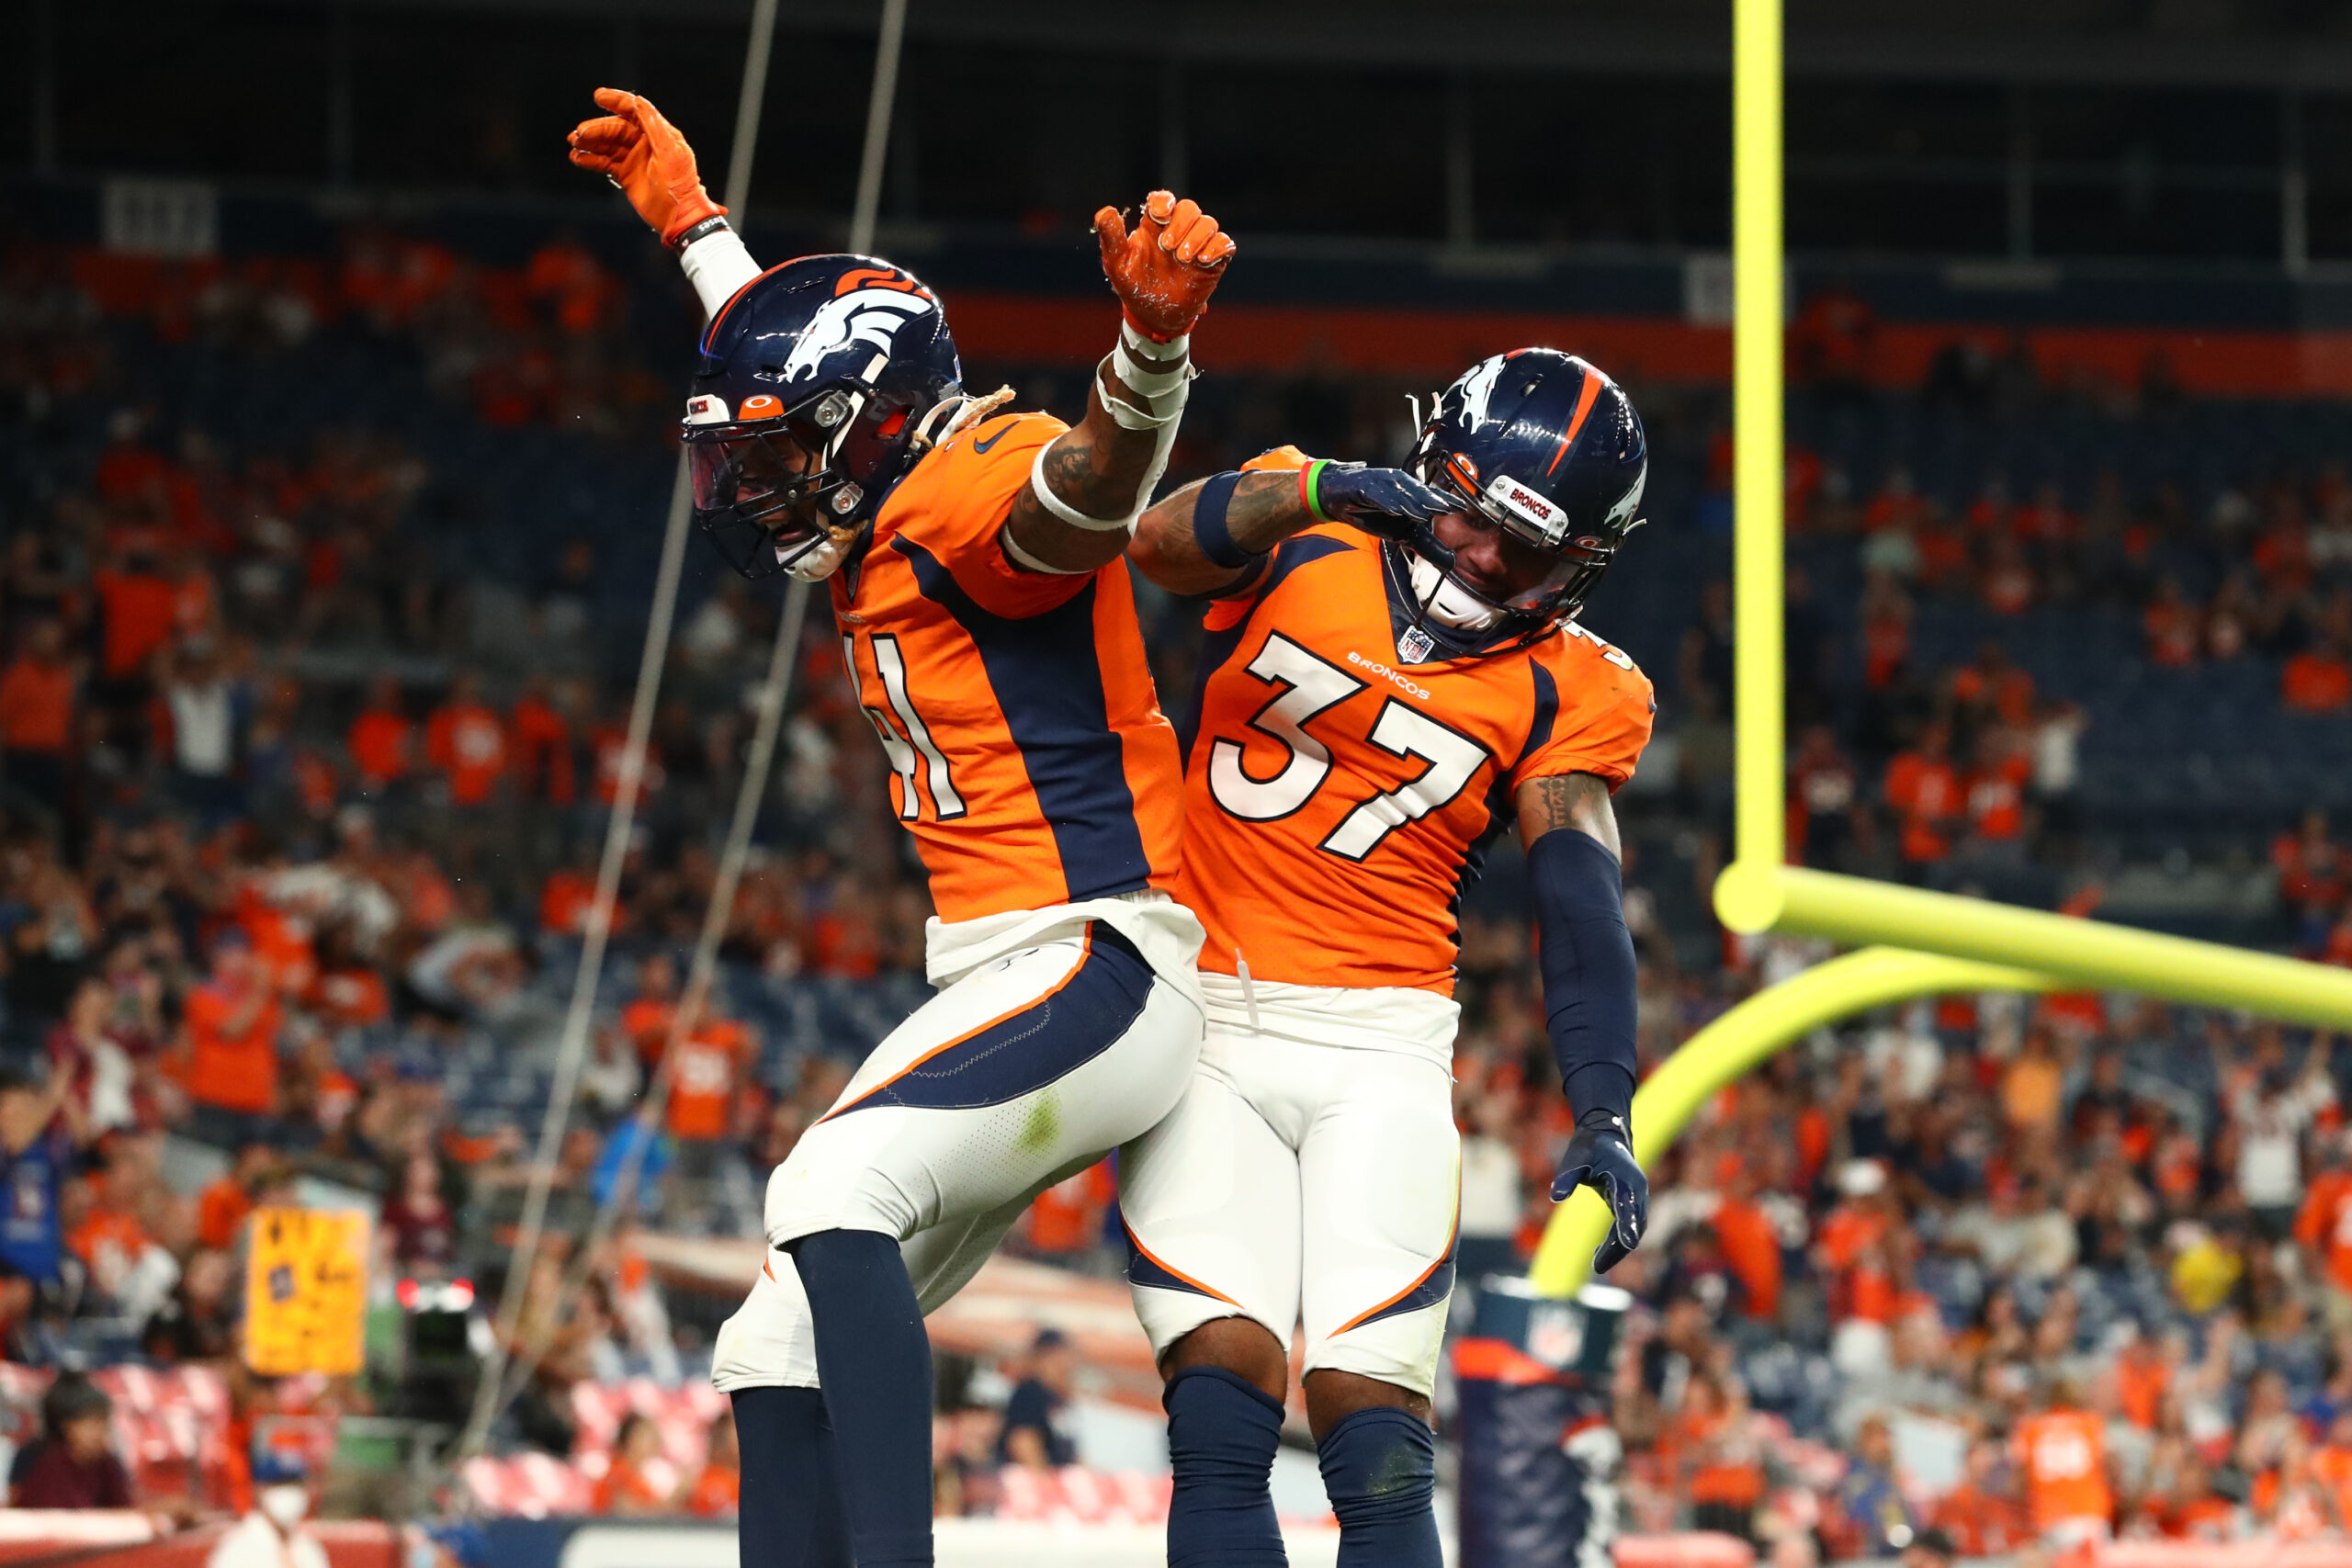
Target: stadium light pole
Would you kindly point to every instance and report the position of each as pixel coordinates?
(1936, 941)
(572, 1052)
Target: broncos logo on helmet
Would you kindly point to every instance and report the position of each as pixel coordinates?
(870, 316)
(809, 405)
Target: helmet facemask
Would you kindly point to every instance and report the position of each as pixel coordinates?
(1561, 572)
(772, 493)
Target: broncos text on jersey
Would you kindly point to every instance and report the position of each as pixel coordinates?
(1338, 797)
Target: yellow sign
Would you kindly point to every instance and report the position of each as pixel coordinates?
(306, 1291)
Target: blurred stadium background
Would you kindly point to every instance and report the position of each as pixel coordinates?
(334, 443)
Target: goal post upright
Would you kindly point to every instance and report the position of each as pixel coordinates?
(1913, 942)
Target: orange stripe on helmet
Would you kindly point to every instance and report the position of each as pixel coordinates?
(1584, 398)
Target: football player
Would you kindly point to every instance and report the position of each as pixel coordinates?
(974, 561)
(1394, 672)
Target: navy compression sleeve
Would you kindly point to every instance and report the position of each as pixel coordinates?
(1590, 980)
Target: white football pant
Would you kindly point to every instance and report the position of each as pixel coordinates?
(1059, 1035)
(1310, 1174)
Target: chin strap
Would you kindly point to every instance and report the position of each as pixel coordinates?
(943, 422)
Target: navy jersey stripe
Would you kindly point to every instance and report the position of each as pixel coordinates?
(1047, 675)
(1500, 806)
(1061, 1033)
(1218, 646)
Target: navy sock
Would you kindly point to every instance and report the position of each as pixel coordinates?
(791, 1511)
(1222, 1433)
(1380, 1467)
(874, 1360)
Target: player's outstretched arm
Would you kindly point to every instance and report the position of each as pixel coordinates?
(1589, 988)
(651, 162)
(1089, 484)
(1212, 535)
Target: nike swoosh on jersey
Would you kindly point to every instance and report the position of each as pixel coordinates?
(980, 445)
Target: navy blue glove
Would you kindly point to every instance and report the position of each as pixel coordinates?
(1598, 1157)
(1386, 501)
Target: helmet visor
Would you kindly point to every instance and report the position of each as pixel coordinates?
(760, 499)
(1503, 558)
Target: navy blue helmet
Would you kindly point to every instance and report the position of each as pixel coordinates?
(840, 356)
(1543, 446)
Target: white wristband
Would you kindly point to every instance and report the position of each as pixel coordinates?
(1023, 558)
(718, 266)
(1065, 511)
(1133, 359)
(1157, 410)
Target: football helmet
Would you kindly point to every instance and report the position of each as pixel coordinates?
(810, 398)
(1544, 447)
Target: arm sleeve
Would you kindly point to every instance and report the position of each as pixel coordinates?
(718, 266)
(1589, 976)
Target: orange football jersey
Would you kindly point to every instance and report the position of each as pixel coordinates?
(1338, 796)
(2064, 1455)
(1030, 760)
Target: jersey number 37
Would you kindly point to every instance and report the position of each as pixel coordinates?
(1311, 685)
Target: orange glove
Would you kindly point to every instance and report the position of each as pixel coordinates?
(642, 153)
(1166, 270)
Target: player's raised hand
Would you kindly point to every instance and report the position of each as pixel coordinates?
(1386, 501)
(633, 146)
(1165, 270)
(1598, 1157)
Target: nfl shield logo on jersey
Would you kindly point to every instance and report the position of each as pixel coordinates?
(1413, 645)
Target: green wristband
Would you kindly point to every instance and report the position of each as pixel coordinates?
(1310, 480)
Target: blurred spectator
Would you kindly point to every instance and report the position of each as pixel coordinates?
(2063, 1450)
(2176, 631)
(222, 1208)
(273, 1533)
(1036, 1431)
(1983, 1517)
(37, 1146)
(1923, 788)
(2272, 1115)
(1868, 1516)
(72, 1464)
(228, 1046)
(640, 1481)
(417, 1221)
(466, 739)
(717, 1489)
(381, 738)
(1065, 1221)
(542, 745)
(38, 693)
(2318, 680)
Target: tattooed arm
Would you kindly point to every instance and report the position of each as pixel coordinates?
(1265, 509)
(1568, 800)
(1079, 509)
(1195, 543)
(1098, 468)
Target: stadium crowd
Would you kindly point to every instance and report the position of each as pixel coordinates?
(299, 836)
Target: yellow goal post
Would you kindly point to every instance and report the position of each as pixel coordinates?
(1913, 942)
